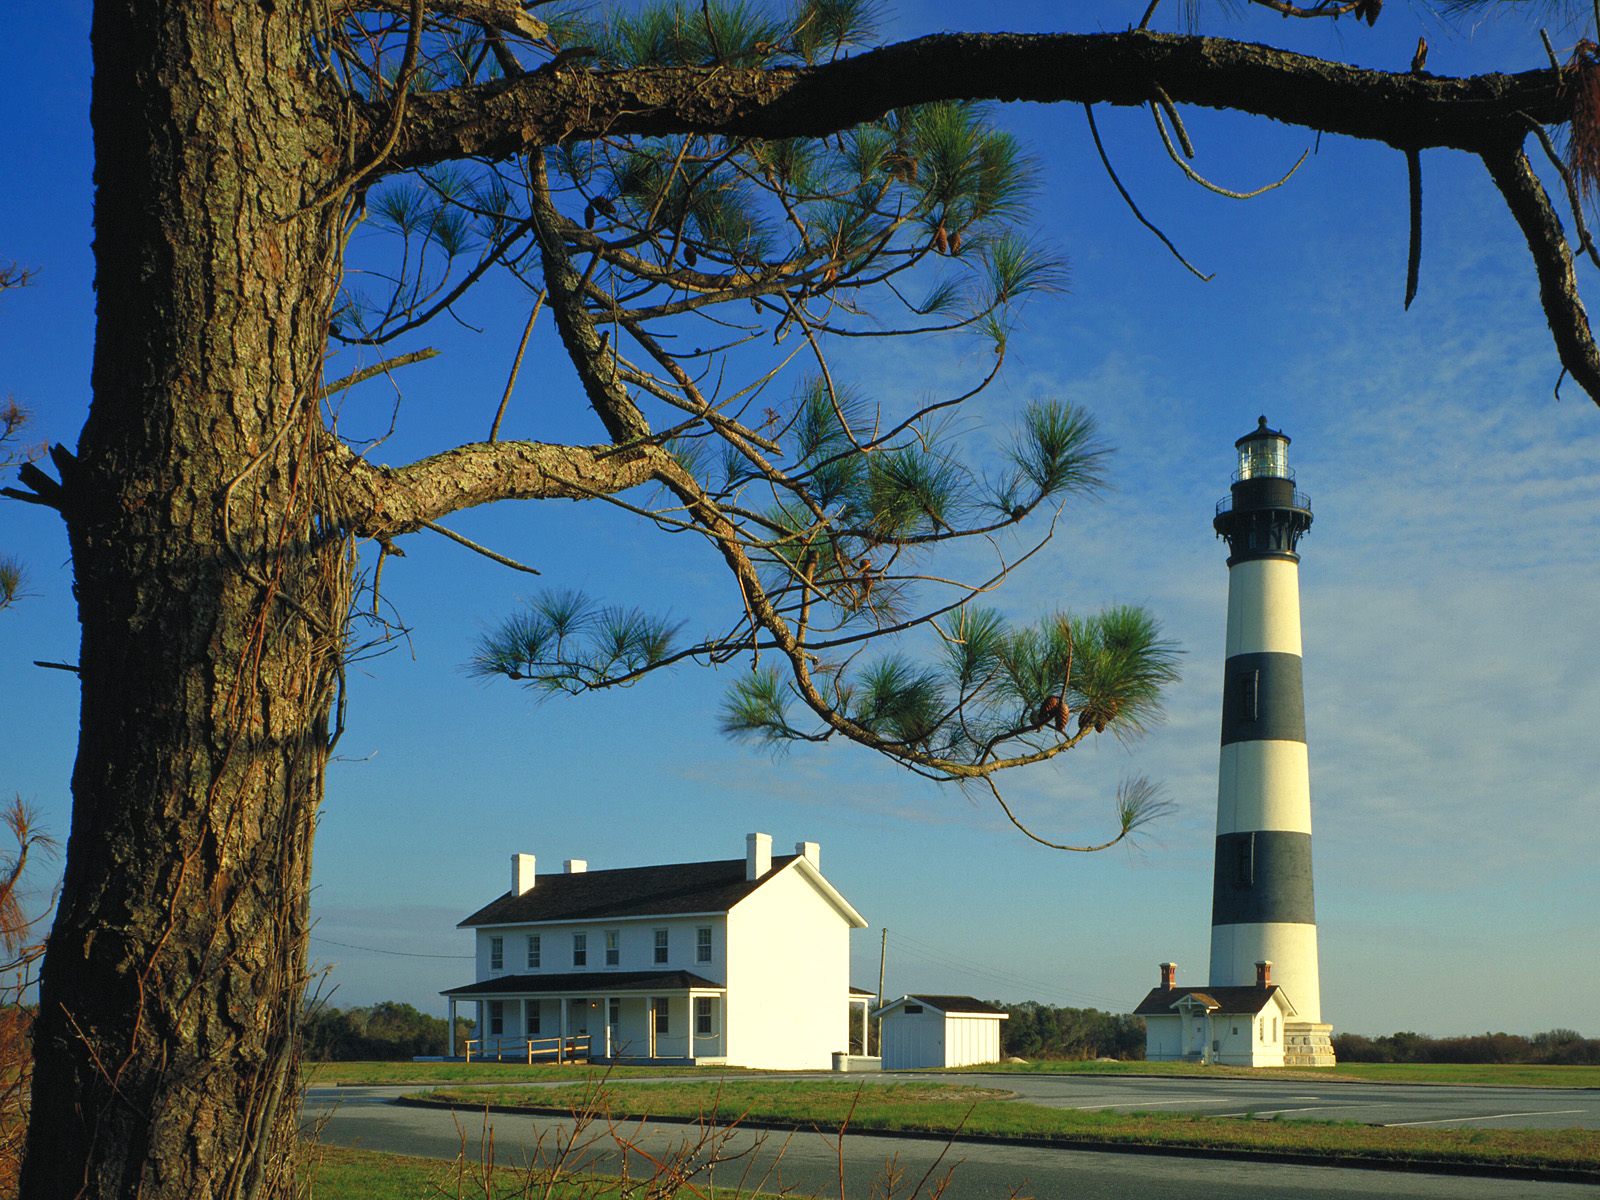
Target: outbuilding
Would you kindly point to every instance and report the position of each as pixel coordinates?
(939, 1031)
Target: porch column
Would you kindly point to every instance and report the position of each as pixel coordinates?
(561, 1047)
(866, 1046)
(605, 1022)
(450, 1046)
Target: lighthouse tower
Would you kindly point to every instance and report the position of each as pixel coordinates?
(1262, 912)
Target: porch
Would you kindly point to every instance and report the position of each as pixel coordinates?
(620, 1017)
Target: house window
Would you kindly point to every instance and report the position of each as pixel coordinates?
(497, 954)
(661, 945)
(532, 1009)
(497, 1015)
(702, 1016)
(702, 944)
(1274, 1028)
(1263, 1033)
(613, 947)
(913, 1009)
(659, 1013)
(533, 952)
(580, 949)
(614, 1017)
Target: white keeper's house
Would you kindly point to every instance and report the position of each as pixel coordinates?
(1240, 1026)
(742, 962)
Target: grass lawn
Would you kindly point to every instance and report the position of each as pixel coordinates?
(1465, 1074)
(383, 1073)
(338, 1173)
(946, 1108)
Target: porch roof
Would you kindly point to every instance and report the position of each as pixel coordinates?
(587, 983)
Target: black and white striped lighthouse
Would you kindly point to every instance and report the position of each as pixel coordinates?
(1262, 909)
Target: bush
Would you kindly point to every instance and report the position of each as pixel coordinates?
(1557, 1047)
(1046, 1031)
(389, 1031)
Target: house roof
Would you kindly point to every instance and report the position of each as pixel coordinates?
(703, 887)
(950, 1005)
(594, 983)
(1251, 999)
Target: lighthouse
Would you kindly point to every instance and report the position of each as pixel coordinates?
(1263, 918)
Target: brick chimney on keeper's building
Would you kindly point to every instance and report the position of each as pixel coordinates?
(1264, 973)
(1169, 976)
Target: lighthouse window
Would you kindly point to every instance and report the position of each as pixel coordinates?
(1246, 866)
(1250, 695)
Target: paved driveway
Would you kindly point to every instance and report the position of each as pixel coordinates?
(810, 1165)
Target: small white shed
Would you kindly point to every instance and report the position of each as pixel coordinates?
(939, 1031)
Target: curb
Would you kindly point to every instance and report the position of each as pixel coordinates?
(1404, 1165)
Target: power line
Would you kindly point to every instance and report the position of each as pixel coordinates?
(395, 953)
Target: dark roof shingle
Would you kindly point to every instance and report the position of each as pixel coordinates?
(1248, 999)
(705, 887)
(957, 1004)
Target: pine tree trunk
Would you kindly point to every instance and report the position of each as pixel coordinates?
(212, 600)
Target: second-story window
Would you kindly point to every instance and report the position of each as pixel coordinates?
(497, 954)
(613, 947)
(702, 944)
(661, 945)
(580, 949)
(533, 952)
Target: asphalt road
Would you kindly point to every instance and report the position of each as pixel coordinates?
(810, 1164)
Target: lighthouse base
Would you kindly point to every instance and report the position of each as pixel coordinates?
(1307, 1044)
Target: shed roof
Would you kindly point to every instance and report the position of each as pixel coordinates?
(962, 1006)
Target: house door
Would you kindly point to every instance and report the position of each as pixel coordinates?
(577, 1016)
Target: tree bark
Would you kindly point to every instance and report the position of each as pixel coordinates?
(212, 602)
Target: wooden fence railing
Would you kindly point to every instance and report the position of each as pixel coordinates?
(576, 1048)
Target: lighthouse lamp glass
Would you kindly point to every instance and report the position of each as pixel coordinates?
(1264, 458)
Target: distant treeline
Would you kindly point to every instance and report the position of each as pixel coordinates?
(389, 1030)
(1557, 1047)
(1045, 1031)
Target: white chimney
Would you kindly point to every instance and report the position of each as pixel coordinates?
(576, 866)
(757, 855)
(522, 874)
(811, 852)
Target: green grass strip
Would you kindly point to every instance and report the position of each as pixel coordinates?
(341, 1173)
(1459, 1074)
(380, 1074)
(938, 1108)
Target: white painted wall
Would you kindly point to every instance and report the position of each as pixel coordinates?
(912, 1040)
(1163, 1038)
(636, 943)
(970, 1040)
(788, 975)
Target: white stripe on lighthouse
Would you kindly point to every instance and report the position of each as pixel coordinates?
(1264, 606)
(1263, 785)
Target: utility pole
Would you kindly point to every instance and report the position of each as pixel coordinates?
(883, 955)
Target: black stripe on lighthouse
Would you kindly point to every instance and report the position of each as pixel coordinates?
(1263, 877)
(1263, 699)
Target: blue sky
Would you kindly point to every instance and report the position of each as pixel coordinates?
(1450, 587)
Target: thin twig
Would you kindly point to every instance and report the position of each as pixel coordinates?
(516, 364)
(383, 368)
(1134, 208)
(479, 549)
(1206, 183)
